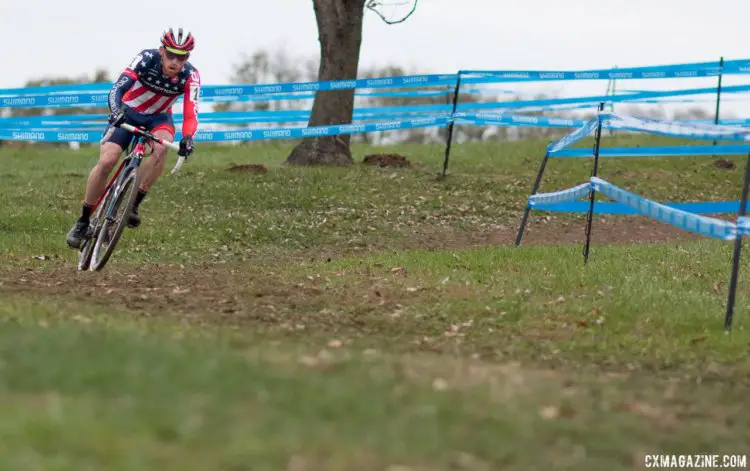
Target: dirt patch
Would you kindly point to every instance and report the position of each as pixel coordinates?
(540, 231)
(724, 164)
(248, 168)
(197, 290)
(387, 160)
(607, 230)
(209, 294)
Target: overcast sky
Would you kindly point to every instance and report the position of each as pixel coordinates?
(53, 37)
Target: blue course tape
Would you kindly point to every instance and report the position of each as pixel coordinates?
(574, 136)
(529, 75)
(682, 215)
(666, 151)
(743, 225)
(663, 128)
(485, 76)
(684, 220)
(65, 95)
(222, 92)
(606, 207)
(559, 197)
(100, 100)
(289, 89)
(269, 88)
(238, 134)
(229, 117)
(485, 119)
(702, 69)
(232, 116)
(607, 99)
(96, 94)
(675, 128)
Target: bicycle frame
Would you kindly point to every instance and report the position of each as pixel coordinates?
(134, 159)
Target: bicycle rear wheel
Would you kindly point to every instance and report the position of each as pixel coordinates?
(113, 225)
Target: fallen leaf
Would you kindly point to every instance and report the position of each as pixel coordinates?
(645, 410)
(335, 344)
(549, 412)
(439, 384)
(699, 339)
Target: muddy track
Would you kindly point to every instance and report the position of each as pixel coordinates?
(225, 294)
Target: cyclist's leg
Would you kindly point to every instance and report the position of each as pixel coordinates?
(109, 154)
(161, 126)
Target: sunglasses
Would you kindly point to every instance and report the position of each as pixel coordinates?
(176, 57)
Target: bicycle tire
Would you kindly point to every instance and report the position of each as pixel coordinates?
(127, 192)
(84, 258)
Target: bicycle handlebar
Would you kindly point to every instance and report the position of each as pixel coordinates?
(135, 130)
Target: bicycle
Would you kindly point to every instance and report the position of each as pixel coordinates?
(120, 193)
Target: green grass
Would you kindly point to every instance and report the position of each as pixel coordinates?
(365, 319)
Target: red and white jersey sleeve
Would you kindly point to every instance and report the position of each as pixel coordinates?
(190, 103)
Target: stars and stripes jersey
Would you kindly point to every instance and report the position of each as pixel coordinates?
(145, 89)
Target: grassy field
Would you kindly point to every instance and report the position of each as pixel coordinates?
(367, 318)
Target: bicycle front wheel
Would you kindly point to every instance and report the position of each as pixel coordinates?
(114, 221)
(84, 258)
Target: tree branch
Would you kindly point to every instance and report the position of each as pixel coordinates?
(374, 4)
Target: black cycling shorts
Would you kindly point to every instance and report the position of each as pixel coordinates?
(152, 123)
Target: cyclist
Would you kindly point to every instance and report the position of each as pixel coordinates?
(143, 96)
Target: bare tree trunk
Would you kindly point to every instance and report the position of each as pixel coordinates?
(340, 36)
